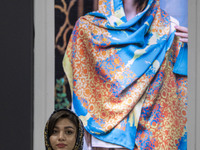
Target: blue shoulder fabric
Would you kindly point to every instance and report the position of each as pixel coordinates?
(181, 65)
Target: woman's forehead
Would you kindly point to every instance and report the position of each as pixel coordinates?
(64, 122)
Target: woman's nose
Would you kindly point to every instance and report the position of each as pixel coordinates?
(61, 136)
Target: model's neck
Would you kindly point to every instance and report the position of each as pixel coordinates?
(130, 9)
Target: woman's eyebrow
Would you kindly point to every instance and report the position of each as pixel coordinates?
(67, 127)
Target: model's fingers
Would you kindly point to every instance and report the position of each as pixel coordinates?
(182, 29)
(185, 40)
(181, 34)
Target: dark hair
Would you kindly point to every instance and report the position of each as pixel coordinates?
(141, 4)
(58, 115)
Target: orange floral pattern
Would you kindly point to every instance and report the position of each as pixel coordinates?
(118, 72)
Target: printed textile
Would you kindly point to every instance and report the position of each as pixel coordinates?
(122, 80)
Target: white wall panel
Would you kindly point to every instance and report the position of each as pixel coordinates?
(193, 70)
(43, 68)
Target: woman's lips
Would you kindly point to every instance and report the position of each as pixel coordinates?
(61, 145)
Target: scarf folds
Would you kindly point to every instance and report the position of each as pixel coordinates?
(80, 133)
(121, 77)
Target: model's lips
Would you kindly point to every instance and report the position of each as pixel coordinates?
(61, 145)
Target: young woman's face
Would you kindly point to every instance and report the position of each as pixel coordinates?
(64, 135)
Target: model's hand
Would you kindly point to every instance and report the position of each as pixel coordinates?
(182, 32)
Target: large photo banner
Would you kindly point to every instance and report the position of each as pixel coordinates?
(66, 14)
(121, 66)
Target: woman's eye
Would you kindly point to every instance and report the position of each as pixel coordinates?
(55, 131)
(69, 132)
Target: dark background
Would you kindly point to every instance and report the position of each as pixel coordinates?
(16, 64)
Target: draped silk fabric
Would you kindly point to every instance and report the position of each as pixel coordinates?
(122, 80)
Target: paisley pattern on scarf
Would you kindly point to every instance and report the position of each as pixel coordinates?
(111, 63)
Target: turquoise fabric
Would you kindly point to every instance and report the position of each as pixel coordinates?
(181, 65)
